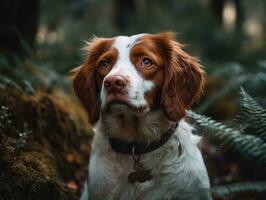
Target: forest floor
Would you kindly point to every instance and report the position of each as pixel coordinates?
(44, 144)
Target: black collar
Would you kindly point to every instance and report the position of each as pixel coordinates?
(136, 148)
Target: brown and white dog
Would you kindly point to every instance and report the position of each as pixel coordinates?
(136, 91)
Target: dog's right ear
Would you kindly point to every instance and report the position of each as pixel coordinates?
(84, 76)
(84, 85)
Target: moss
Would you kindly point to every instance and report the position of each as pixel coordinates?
(30, 176)
(56, 150)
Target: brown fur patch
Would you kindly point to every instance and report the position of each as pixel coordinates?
(88, 78)
(183, 76)
(147, 48)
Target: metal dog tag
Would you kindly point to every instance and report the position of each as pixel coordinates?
(141, 174)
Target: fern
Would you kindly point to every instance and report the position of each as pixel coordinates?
(252, 115)
(226, 190)
(250, 143)
(249, 146)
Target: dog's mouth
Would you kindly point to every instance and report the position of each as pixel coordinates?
(113, 100)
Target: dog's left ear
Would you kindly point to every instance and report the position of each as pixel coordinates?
(184, 78)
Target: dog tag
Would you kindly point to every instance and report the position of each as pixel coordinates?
(140, 176)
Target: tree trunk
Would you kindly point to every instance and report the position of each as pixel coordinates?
(217, 7)
(239, 16)
(19, 23)
(123, 9)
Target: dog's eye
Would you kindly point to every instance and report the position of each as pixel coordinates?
(146, 62)
(104, 64)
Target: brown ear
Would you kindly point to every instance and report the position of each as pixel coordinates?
(85, 85)
(184, 78)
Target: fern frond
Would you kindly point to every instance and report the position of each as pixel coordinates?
(248, 146)
(252, 115)
(226, 190)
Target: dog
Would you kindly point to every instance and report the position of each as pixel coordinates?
(136, 91)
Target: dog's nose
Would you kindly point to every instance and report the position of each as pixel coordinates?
(115, 83)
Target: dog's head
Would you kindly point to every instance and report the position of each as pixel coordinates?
(139, 73)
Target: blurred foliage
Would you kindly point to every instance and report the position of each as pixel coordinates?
(73, 21)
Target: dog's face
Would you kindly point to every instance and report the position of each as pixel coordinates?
(137, 74)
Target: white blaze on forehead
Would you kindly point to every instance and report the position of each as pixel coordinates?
(123, 44)
(123, 66)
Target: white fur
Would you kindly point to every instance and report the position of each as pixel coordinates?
(181, 177)
(137, 85)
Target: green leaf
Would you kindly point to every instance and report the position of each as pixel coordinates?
(249, 147)
(252, 115)
(242, 187)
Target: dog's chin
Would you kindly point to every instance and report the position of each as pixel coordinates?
(118, 104)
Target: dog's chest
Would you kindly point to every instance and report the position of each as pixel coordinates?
(110, 171)
(173, 174)
(121, 167)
